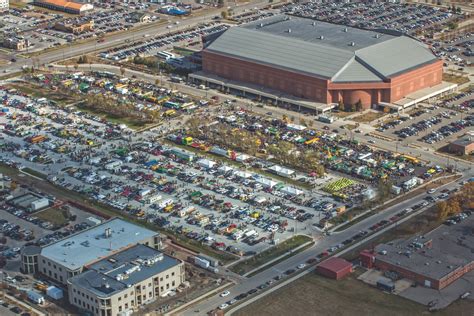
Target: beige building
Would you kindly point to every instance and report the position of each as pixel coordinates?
(74, 27)
(121, 283)
(15, 42)
(68, 257)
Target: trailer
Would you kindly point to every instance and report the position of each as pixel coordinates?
(35, 297)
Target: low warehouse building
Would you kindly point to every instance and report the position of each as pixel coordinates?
(462, 146)
(65, 6)
(435, 260)
(334, 268)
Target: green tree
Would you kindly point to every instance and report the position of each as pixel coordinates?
(358, 105)
(340, 105)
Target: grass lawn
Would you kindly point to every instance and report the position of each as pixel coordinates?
(35, 173)
(281, 259)
(53, 215)
(245, 266)
(183, 51)
(341, 114)
(368, 117)
(316, 295)
(117, 120)
(455, 79)
(350, 127)
(15, 4)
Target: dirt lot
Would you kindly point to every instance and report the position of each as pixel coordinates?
(316, 295)
(39, 92)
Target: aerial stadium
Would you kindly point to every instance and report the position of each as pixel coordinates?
(309, 61)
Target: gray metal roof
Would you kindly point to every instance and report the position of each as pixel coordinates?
(452, 247)
(354, 71)
(323, 50)
(309, 30)
(395, 56)
(124, 269)
(88, 245)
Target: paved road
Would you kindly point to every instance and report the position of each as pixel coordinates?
(120, 38)
(336, 238)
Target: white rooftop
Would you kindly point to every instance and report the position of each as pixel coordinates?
(92, 244)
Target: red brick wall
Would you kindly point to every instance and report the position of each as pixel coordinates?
(291, 83)
(427, 76)
(436, 284)
(321, 90)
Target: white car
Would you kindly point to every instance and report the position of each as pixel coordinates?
(225, 293)
(431, 191)
(301, 266)
(223, 306)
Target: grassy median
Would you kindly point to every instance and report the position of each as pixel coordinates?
(256, 261)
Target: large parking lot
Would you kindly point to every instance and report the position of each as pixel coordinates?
(434, 124)
(152, 45)
(179, 195)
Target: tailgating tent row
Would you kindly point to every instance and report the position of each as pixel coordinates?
(206, 163)
(291, 191)
(267, 183)
(243, 174)
(281, 171)
(224, 169)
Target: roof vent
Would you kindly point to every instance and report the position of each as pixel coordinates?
(345, 29)
(352, 44)
(289, 30)
(321, 37)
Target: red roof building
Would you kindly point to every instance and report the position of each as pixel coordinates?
(334, 268)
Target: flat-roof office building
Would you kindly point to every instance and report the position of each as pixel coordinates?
(121, 283)
(68, 257)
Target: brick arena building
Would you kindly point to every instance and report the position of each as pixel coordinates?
(323, 62)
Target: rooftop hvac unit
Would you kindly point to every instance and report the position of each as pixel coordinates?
(289, 30)
(352, 44)
(321, 37)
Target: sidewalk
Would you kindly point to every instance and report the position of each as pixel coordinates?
(25, 306)
(200, 298)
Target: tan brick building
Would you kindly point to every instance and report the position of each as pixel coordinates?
(121, 283)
